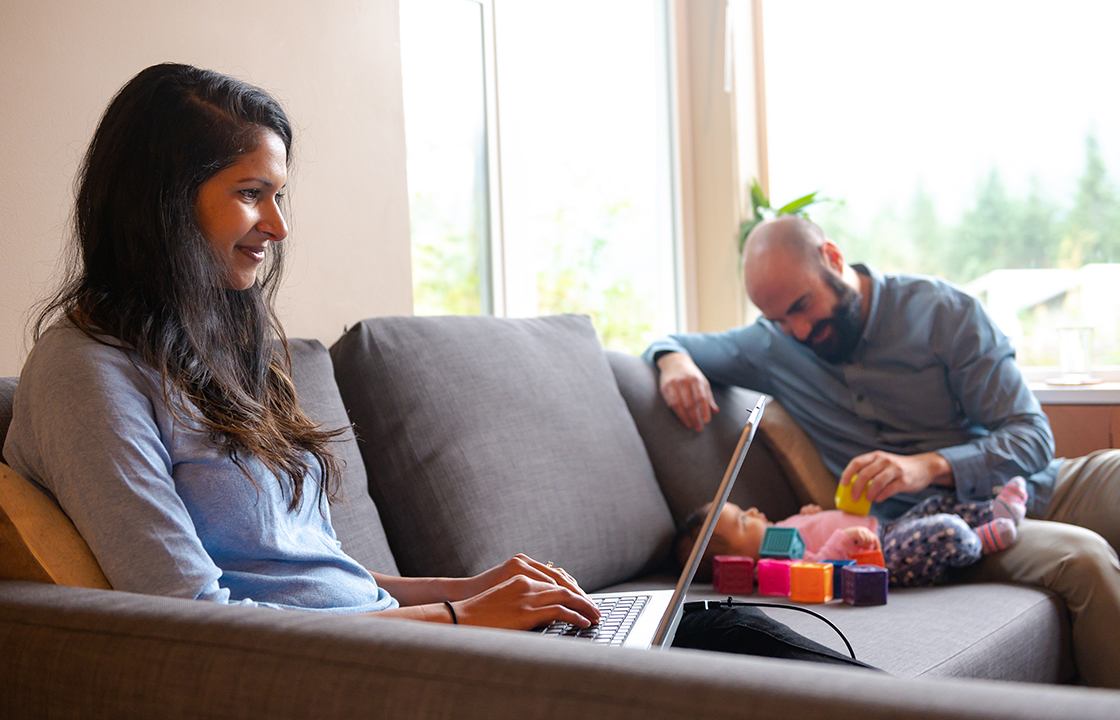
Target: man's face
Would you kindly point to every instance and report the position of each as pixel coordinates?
(810, 304)
(835, 338)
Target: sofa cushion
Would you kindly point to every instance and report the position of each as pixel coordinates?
(484, 437)
(690, 465)
(38, 541)
(7, 397)
(355, 517)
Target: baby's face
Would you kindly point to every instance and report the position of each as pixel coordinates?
(739, 531)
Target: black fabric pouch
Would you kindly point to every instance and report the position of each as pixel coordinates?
(747, 630)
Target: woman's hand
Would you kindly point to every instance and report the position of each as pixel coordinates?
(518, 565)
(523, 603)
(522, 593)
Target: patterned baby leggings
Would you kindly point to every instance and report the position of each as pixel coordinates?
(935, 535)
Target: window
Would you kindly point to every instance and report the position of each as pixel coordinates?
(977, 141)
(584, 218)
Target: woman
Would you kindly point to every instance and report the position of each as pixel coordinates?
(157, 404)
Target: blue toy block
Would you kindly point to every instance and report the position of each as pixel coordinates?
(782, 543)
(837, 575)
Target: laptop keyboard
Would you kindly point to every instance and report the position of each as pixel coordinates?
(617, 616)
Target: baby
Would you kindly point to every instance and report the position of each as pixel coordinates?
(919, 548)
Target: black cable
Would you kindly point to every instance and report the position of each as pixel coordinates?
(731, 602)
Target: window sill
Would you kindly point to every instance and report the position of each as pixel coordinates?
(1103, 393)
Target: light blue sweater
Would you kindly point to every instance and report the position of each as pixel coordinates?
(163, 509)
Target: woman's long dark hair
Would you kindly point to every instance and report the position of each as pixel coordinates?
(145, 275)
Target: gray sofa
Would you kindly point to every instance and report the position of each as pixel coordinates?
(478, 438)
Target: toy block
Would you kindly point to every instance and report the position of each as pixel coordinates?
(782, 543)
(773, 577)
(849, 503)
(733, 574)
(869, 557)
(810, 582)
(864, 584)
(837, 589)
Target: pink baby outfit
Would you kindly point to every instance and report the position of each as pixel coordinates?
(824, 534)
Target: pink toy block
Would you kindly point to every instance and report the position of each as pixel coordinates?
(869, 557)
(864, 584)
(773, 577)
(733, 574)
(810, 582)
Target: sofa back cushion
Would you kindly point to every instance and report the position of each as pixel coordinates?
(484, 437)
(690, 465)
(7, 396)
(355, 517)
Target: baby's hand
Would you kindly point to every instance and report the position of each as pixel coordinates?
(862, 536)
(810, 509)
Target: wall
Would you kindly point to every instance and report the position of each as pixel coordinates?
(334, 64)
(718, 155)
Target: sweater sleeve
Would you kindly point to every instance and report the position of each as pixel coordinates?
(92, 429)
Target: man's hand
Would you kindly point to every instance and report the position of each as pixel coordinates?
(686, 391)
(885, 474)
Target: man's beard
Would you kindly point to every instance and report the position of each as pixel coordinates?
(846, 323)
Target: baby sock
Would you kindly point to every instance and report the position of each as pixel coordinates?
(996, 535)
(1011, 503)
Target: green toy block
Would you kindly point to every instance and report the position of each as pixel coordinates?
(782, 543)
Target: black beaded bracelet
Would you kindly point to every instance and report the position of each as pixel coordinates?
(454, 617)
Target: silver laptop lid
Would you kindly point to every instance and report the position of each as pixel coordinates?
(669, 621)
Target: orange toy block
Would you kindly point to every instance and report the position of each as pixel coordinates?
(810, 582)
(869, 557)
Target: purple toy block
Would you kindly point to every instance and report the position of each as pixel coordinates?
(864, 584)
(837, 576)
(733, 574)
(773, 577)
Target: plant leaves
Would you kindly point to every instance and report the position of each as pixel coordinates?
(795, 206)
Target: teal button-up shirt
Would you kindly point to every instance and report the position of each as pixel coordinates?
(931, 372)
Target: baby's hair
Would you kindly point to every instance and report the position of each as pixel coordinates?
(687, 533)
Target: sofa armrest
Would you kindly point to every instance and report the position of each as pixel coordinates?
(66, 652)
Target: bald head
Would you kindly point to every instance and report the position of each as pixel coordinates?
(797, 239)
(797, 278)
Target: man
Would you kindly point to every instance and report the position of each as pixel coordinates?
(907, 388)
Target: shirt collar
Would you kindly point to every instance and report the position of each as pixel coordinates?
(876, 291)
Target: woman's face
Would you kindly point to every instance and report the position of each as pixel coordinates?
(238, 213)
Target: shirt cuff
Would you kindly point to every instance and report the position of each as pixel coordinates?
(970, 472)
(660, 347)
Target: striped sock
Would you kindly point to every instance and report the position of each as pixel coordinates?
(1011, 503)
(996, 535)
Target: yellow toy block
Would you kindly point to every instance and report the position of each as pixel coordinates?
(848, 503)
(810, 582)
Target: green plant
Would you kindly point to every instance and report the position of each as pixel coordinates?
(761, 210)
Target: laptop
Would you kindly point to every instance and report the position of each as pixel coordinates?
(649, 618)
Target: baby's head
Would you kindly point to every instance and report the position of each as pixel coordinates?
(737, 532)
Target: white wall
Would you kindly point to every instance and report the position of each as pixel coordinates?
(335, 66)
